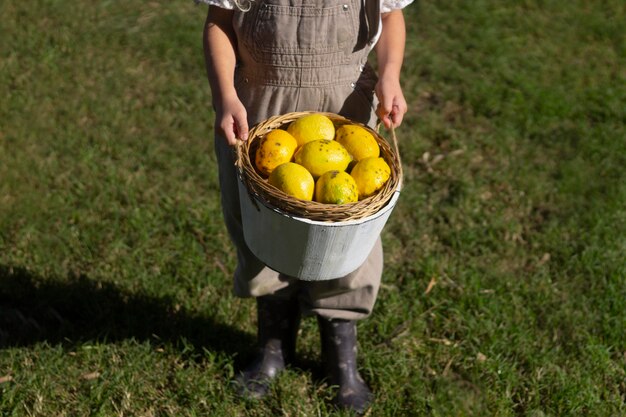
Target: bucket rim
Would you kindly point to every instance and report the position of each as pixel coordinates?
(387, 207)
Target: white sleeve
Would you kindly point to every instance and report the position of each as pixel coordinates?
(224, 4)
(388, 5)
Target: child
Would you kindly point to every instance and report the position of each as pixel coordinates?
(271, 57)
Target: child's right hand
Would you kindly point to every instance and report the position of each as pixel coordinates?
(220, 58)
(232, 120)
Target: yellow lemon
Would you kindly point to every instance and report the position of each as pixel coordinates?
(293, 179)
(323, 155)
(336, 187)
(359, 142)
(370, 175)
(275, 148)
(312, 127)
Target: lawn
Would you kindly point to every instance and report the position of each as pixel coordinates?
(504, 292)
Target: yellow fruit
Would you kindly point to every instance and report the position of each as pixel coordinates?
(359, 142)
(323, 155)
(370, 175)
(336, 187)
(275, 148)
(293, 179)
(312, 127)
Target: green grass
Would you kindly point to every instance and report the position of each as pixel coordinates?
(504, 291)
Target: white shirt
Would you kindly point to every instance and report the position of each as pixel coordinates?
(385, 5)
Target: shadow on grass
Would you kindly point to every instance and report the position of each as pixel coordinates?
(35, 310)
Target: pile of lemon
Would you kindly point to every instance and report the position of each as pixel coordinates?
(311, 160)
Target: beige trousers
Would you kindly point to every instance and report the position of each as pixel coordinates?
(297, 57)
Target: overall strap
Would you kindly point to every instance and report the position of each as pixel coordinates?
(372, 16)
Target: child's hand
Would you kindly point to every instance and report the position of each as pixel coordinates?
(392, 104)
(232, 120)
(390, 53)
(220, 59)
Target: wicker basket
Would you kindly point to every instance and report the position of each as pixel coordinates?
(259, 187)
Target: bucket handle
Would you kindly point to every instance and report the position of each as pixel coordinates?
(396, 149)
(238, 164)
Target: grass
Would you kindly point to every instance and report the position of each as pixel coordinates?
(504, 291)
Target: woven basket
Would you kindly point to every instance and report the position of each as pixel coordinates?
(259, 187)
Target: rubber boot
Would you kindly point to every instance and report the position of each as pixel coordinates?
(277, 327)
(339, 352)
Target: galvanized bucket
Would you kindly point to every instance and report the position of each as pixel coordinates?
(308, 249)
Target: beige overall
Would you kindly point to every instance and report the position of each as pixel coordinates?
(299, 55)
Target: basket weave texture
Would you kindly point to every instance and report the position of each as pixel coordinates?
(258, 186)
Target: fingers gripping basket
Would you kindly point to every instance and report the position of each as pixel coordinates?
(306, 239)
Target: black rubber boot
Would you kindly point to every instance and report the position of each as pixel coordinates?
(339, 352)
(277, 328)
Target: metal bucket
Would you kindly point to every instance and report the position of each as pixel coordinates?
(307, 249)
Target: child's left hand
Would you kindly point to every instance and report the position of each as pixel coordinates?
(392, 104)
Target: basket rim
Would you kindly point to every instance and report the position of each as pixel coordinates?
(258, 188)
